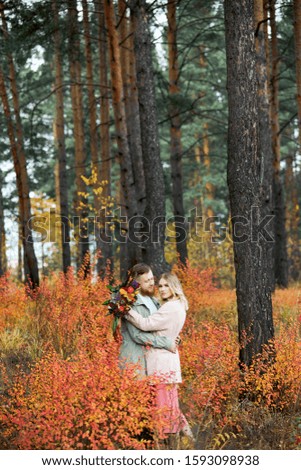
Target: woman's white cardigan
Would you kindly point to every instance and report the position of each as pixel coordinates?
(167, 321)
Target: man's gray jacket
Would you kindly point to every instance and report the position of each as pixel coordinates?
(134, 341)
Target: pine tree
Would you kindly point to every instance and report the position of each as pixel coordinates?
(255, 321)
(80, 200)
(15, 133)
(280, 250)
(154, 214)
(126, 170)
(176, 149)
(59, 143)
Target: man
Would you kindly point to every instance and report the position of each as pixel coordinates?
(135, 341)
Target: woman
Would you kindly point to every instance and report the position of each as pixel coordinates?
(167, 321)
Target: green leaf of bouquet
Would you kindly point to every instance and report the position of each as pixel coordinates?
(115, 324)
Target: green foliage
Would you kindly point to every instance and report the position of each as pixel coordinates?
(202, 101)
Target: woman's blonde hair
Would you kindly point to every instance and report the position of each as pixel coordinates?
(175, 287)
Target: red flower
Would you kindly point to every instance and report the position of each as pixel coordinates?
(130, 289)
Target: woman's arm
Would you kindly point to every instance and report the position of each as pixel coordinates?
(155, 322)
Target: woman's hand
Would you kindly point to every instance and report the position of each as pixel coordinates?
(175, 344)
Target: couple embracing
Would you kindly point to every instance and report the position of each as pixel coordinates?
(150, 336)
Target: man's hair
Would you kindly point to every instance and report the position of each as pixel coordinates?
(139, 269)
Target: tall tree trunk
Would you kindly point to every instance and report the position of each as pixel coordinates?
(297, 35)
(281, 262)
(124, 63)
(127, 177)
(105, 261)
(20, 253)
(96, 172)
(59, 142)
(293, 219)
(255, 322)
(207, 164)
(176, 149)
(15, 133)
(154, 214)
(3, 258)
(128, 67)
(265, 138)
(91, 94)
(80, 202)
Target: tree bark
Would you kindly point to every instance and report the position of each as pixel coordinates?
(281, 261)
(132, 115)
(154, 214)
(15, 133)
(59, 142)
(127, 177)
(91, 94)
(265, 137)
(3, 258)
(176, 149)
(207, 163)
(293, 219)
(80, 202)
(104, 244)
(94, 147)
(255, 321)
(297, 35)
(128, 67)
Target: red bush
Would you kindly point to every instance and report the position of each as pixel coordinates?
(83, 404)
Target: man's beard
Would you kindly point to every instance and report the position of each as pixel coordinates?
(149, 291)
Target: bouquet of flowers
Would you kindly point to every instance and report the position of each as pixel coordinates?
(122, 298)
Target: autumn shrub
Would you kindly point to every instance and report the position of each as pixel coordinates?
(75, 396)
(85, 403)
(66, 310)
(209, 367)
(214, 385)
(71, 393)
(13, 303)
(14, 318)
(277, 384)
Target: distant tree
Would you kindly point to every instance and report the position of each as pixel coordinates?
(176, 149)
(293, 218)
(3, 257)
(59, 142)
(105, 261)
(265, 149)
(154, 214)
(128, 68)
(15, 133)
(255, 321)
(297, 36)
(80, 199)
(280, 249)
(126, 169)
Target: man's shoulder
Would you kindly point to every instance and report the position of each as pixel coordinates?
(143, 305)
(156, 301)
(144, 300)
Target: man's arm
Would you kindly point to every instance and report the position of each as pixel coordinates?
(150, 339)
